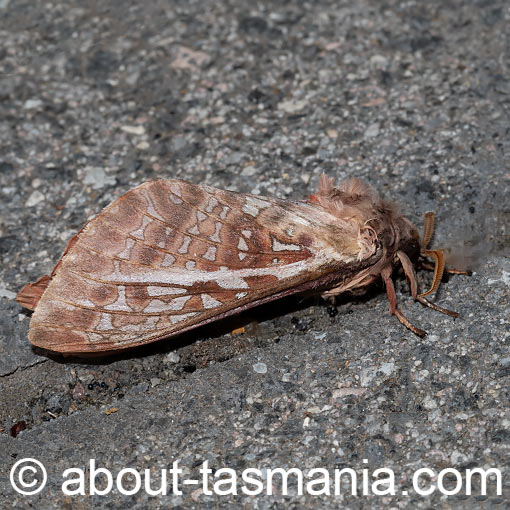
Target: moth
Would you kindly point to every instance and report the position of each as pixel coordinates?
(169, 256)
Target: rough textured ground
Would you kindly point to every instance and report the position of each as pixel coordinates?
(97, 97)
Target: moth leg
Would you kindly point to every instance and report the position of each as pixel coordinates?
(452, 270)
(340, 289)
(332, 293)
(437, 308)
(392, 298)
(411, 275)
(390, 289)
(417, 331)
(409, 272)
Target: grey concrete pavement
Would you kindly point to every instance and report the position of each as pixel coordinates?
(97, 97)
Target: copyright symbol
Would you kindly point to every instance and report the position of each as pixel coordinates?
(25, 483)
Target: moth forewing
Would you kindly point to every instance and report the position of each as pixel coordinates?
(169, 256)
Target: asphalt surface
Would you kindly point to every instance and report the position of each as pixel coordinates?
(97, 97)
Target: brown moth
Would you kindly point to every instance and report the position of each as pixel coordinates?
(169, 256)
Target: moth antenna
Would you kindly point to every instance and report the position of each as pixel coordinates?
(428, 228)
(409, 272)
(438, 269)
(392, 298)
(437, 308)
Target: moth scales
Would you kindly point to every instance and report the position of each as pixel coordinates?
(169, 256)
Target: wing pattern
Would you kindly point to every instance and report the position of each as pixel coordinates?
(169, 255)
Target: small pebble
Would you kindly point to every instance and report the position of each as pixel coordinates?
(133, 130)
(172, 357)
(97, 178)
(248, 171)
(372, 131)
(32, 104)
(260, 368)
(35, 198)
(7, 293)
(292, 106)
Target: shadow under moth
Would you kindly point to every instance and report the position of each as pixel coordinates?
(169, 256)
